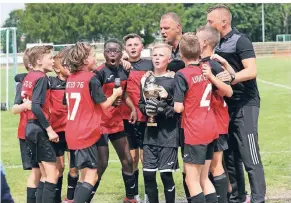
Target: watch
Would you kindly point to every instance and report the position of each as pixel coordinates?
(232, 77)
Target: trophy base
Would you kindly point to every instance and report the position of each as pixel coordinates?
(152, 124)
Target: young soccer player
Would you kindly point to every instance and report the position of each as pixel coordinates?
(111, 74)
(208, 38)
(84, 99)
(39, 134)
(192, 95)
(58, 120)
(160, 143)
(135, 132)
(20, 107)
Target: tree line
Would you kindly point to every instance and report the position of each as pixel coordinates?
(68, 23)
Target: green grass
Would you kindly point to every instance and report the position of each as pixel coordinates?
(274, 139)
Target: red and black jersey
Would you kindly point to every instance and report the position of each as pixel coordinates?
(217, 102)
(35, 87)
(59, 111)
(220, 110)
(83, 94)
(195, 92)
(139, 68)
(111, 117)
(23, 118)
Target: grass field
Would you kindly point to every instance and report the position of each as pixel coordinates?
(274, 139)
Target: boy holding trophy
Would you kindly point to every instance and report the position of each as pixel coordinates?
(161, 137)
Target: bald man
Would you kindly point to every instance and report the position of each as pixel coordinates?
(171, 31)
(244, 105)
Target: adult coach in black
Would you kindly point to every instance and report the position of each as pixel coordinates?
(171, 31)
(244, 105)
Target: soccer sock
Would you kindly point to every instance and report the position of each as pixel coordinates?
(211, 198)
(77, 188)
(220, 184)
(169, 186)
(200, 198)
(49, 192)
(151, 187)
(129, 182)
(83, 193)
(39, 192)
(72, 183)
(187, 193)
(58, 197)
(136, 173)
(93, 191)
(31, 195)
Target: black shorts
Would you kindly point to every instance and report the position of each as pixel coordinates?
(87, 158)
(164, 159)
(103, 141)
(72, 159)
(197, 154)
(26, 156)
(135, 134)
(61, 146)
(39, 144)
(220, 144)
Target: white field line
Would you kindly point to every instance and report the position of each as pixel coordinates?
(274, 84)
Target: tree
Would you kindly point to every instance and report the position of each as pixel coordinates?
(68, 23)
(13, 21)
(286, 13)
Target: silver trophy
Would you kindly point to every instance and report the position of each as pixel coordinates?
(150, 90)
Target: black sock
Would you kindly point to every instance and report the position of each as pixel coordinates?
(83, 193)
(49, 192)
(129, 182)
(186, 190)
(31, 195)
(58, 197)
(136, 182)
(93, 191)
(200, 198)
(151, 187)
(72, 183)
(169, 186)
(77, 188)
(220, 184)
(39, 192)
(211, 198)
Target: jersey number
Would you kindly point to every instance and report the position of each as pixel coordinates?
(77, 97)
(204, 102)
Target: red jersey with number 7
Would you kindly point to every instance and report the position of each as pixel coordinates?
(84, 115)
(195, 92)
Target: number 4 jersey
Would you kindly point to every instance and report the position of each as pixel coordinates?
(195, 92)
(83, 96)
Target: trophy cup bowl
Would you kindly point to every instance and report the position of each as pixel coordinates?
(151, 91)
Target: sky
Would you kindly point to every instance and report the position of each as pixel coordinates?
(6, 8)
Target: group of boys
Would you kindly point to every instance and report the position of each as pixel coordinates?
(84, 107)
